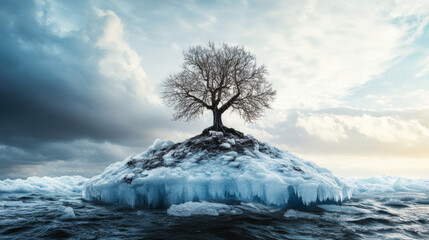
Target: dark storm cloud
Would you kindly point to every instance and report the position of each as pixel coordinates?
(52, 92)
(50, 85)
(37, 96)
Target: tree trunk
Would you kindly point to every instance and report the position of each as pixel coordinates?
(217, 120)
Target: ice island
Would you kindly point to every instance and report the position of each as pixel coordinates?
(215, 167)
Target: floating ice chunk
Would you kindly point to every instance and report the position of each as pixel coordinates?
(201, 208)
(225, 145)
(68, 213)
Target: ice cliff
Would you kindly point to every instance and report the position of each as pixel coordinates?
(215, 167)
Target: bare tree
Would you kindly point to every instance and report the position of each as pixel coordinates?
(217, 79)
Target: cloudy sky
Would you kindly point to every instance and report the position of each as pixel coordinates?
(79, 80)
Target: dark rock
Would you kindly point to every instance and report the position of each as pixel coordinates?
(208, 146)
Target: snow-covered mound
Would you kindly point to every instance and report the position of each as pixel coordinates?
(214, 167)
(64, 184)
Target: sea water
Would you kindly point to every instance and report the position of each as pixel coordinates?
(394, 215)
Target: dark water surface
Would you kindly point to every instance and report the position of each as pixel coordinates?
(36, 216)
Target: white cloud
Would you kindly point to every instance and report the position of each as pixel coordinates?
(323, 126)
(320, 51)
(415, 15)
(424, 67)
(416, 99)
(331, 127)
(120, 62)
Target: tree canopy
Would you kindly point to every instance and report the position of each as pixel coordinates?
(217, 79)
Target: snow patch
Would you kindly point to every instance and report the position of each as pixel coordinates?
(157, 145)
(231, 141)
(216, 134)
(225, 145)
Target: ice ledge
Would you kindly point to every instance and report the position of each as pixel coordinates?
(166, 191)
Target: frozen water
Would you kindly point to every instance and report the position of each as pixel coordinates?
(74, 184)
(68, 213)
(201, 208)
(64, 184)
(203, 169)
(386, 184)
(225, 145)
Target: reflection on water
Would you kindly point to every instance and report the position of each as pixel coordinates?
(400, 216)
